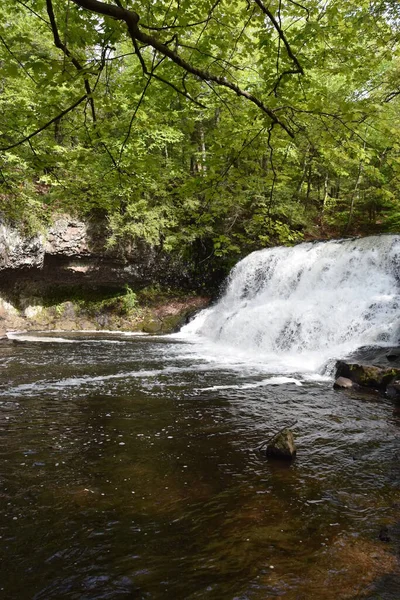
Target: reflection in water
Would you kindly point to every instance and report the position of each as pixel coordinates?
(128, 470)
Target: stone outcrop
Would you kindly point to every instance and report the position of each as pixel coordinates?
(69, 237)
(67, 278)
(72, 252)
(378, 356)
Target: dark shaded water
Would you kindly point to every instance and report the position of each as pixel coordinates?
(128, 470)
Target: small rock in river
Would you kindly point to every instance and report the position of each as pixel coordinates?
(282, 446)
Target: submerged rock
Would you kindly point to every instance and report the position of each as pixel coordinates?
(282, 446)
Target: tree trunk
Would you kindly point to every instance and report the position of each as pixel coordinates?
(324, 199)
(356, 193)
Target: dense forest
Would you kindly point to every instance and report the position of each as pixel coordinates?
(210, 128)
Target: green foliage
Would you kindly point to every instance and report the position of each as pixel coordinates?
(129, 301)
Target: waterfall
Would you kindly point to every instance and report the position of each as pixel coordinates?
(305, 305)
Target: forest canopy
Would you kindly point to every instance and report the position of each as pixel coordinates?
(212, 126)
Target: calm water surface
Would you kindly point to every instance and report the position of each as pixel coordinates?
(128, 470)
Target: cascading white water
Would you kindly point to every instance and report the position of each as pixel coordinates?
(304, 305)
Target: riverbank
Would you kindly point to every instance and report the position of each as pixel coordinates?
(150, 310)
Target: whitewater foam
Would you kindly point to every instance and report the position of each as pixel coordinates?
(298, 308)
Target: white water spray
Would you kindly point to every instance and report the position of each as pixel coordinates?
(300, 307)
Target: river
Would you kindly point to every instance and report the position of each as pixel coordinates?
(128, 470)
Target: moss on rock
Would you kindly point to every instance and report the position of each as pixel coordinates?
(368, 376)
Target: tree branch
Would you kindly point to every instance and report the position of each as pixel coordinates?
(278, 81)
(131, 19)
(281, 34)
(43, 127)
(59, 44)
(33, 12)
(391, 96)
(301, 6)
(168, 27)
(181, 92)
(174, 26)
(16, 59)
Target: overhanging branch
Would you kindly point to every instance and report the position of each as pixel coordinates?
(64, 48)
(281, 34)
(43, 127)
(131, 19)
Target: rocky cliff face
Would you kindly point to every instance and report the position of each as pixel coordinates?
(72, 252)
(67, 278)
(17, 252)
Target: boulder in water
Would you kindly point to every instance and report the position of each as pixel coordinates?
(282, 446)
(369, 376)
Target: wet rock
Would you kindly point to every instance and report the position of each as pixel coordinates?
(393, 389)
(368, 376)
(164, 325)
(376, 356)
(343, 382)
(282, 446)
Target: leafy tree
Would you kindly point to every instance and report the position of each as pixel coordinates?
(209, 128)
